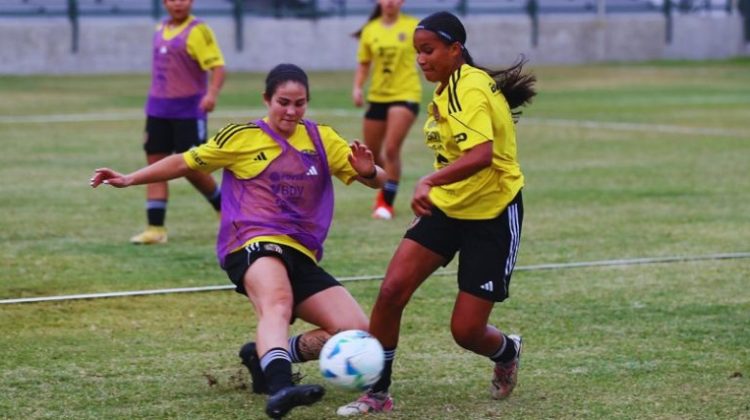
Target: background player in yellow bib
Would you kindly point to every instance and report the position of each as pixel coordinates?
(470, 205)
(184, 52)
(387, 54)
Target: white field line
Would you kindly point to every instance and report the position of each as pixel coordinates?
(551, 266)
(340, 112)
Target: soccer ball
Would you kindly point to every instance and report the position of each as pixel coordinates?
(352, 359)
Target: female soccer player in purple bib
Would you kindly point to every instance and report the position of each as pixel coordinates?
(277, 206)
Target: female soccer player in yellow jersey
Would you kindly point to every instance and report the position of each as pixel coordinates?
(470, 204)
(276, 209)
(387, 54)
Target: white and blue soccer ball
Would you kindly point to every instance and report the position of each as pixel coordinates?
(352, 359)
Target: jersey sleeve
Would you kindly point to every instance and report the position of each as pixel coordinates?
(470, 122)
(202, 45)
(337, 151)
(213, 154)
(364, 54)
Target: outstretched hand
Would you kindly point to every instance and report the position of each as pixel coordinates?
(110, 177)
(361, 159)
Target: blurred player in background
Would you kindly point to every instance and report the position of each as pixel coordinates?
(386, 51)
(470, 204)
(277, 207)
(185, 52)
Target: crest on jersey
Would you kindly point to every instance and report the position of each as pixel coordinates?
(401, 37)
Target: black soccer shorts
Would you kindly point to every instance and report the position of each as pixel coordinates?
(487, 249)
(379, 110)
(307, 277)
(168, 135)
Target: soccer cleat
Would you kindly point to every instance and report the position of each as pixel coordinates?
(379, 200)
(381, 209)
(370, 402)
(152, 235)
(506, 374)
(384, 212)
(250, 359)
(279, 404)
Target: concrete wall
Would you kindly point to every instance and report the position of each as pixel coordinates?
(122, 45)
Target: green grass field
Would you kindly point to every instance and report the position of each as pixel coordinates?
(622, 161)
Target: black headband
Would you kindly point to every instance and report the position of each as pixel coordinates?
(446, 26)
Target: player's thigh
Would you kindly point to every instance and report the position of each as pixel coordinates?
(267, 284)
(400, 119)
(158, 137)
(374, 126)
(333, 309)
(189, 132)
(410, 266)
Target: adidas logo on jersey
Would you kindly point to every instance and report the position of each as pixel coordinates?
(261, 156)
(312, 171)
(487, 286)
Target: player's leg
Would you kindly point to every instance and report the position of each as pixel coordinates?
(189, 133)
(268, 288)
(373, 130)
(411, 264)
(333, 310)
(320, 300)
(399, 121)
(486, 260)
(470, 329)
(157, 145)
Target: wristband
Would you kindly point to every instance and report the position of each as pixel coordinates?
(373, 176)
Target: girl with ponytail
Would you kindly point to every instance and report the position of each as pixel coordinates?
(471, 205)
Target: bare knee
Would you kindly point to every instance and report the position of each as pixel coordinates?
(279, 307)
(392, 297)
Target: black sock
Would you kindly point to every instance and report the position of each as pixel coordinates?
(215, 199)
(277, 367)
(294, 352)
(390, 189)
(384, 382)
(506, 352)
(156, 212)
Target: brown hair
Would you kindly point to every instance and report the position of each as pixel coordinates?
(376, 12)
(517, 87)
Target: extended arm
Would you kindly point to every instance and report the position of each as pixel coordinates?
(473, 161)
(168, 168)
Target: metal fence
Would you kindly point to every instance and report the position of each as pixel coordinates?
(327, 8)
(75, 10)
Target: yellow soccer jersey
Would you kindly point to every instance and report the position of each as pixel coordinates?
(393, 68)
(201, 43)
(246, 150)
(469, 111)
